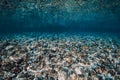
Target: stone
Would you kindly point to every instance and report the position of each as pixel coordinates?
(100, 76)
(108, 78)
(5, 43)
(40, 78)
(112, 72)
(61, 76)
(45, 45)
(9, 47)
(65, 69)
(73, 77)
(54, 49)
(78, 71)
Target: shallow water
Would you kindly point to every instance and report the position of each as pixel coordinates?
(59, 40)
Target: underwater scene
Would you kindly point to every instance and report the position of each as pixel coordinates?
(59, 39)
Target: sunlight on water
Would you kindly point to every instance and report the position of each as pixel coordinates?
(59, 39)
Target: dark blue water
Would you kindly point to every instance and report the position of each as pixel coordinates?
(60, 16)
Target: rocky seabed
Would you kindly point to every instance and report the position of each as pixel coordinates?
(61, 56)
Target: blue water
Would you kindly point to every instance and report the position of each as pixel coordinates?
(60, 39)
(66, 16)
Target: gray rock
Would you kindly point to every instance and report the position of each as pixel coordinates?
(108, 77)
(9, 47)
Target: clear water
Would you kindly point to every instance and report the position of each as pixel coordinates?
(60, 16)
(59, 39)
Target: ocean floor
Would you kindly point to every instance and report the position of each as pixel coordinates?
(59, 56)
